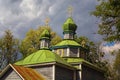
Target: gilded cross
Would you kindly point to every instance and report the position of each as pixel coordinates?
(47, 20)
(70, 11)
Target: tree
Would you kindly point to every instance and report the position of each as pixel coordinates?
(94, 55)
(8, 49)
(83, 41)
(117, 65)
(31, 42)
(108, 11)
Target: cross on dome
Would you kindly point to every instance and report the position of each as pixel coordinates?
(70, 11)
(47, 20)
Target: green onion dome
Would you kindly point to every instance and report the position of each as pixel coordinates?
(45, 35)
(69, 26)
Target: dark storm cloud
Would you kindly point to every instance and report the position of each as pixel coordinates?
(22, 15)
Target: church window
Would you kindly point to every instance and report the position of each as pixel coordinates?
(73, 52)
(60, 52)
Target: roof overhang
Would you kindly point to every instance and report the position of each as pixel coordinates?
(52, 63)
(89, 65)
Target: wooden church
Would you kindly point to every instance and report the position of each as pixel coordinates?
(64, 61)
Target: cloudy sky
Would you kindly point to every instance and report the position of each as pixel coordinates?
(21, 15)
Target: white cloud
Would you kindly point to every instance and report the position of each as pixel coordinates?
(109, 49)
(21, 15)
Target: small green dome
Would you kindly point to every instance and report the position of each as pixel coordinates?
(69, 26)
(45, 35)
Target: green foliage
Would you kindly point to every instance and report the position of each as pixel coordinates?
(31, 41)
(55, 40)
(94, 55)
(117, 61)
(83, 41)
(109, 13)
(110, 73)
(117, 64)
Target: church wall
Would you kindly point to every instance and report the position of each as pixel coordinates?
(63, 73)
(91, 74)
(78, 72)
(10, 75)
(46, 71)
(65, 52)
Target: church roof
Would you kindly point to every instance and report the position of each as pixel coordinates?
(23, 72)
(42, 56)
(66, 43)
(69, 26)
(76, 60)
(28, 73)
